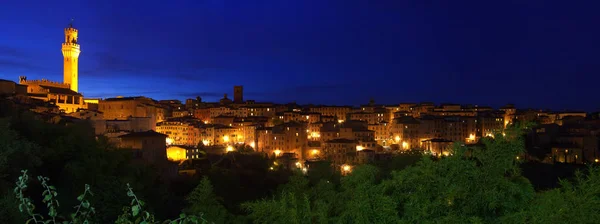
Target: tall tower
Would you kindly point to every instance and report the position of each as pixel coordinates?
(70, 51)
(238, 94)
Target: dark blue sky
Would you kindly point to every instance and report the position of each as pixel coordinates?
(531, 53)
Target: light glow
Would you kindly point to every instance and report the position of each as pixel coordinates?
(405, 145)
(359, 148)
(315, 135)
(226, 138)
(205, 142)
(314, 152)
(252, 144)
(169, 141)
(346, 168)
(298, 165)
(175, 153)
(277, 152)
(397, 138)
(230, 148)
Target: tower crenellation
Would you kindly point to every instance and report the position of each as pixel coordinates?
(43, 82)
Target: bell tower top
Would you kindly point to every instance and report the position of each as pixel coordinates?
(71, 34)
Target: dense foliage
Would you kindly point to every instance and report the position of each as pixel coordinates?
(79, 179)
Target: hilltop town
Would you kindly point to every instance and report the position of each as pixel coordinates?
(299, 134)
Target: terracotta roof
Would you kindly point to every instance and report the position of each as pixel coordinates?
(341, 140)
(58, 90)
(436, 140)
(142, 134)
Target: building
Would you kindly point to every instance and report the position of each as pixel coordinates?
(177, 153)
(340, 151)
(10, 88)
(121, 108)
(149, 145)
(63, 94)
(406, 132)
(70, 51)
(438, 147)
(288, 138)
(238, 94)
(339, 112)
(179, 132)
(59, 93)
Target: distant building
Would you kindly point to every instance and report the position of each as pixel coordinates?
(149, 145)
(238, 94)
(121, 108)
(288, 138)
(9, 88)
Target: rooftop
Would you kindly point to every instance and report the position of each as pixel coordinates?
(142, 134)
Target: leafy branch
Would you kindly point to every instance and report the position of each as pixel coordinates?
(49, 195)
(25, 203)
(83, 209)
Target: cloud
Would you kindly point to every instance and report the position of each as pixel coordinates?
(201, 94)
(110, 66)
(12, 52)
(14, 64)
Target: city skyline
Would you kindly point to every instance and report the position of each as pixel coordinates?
(187, 53)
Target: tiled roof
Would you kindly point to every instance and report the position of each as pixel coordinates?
(57, 90)
(142, 134)
(341, 140)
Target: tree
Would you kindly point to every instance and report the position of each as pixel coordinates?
(573, 202)
(364, 199)
(202, 201)
(480, 185)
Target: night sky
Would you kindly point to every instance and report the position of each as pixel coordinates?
(531, 53)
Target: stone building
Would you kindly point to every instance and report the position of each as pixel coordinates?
(149, 145)
(121, 108)
(59, 93)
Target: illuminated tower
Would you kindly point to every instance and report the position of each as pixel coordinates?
(70, 51)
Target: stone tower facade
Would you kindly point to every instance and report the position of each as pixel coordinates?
(238, 94)
(70, 51)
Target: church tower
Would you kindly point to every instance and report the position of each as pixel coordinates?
(70, 51)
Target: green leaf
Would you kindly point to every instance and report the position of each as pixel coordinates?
(182, 215)
(86, 204)
(135, 210)
(52, 212)
(47, 198)
(80, 197)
